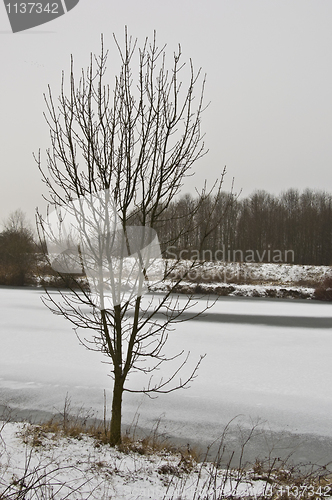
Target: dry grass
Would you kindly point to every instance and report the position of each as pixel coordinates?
(84, 423)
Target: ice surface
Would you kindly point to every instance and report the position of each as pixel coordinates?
(281, 374)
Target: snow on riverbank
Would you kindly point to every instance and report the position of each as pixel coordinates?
(47, 465)
(247, 279)
(36, 463)
(235, 290)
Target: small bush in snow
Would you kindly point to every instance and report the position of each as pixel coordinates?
(324, 290)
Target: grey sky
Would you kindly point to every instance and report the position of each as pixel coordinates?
(269, 80)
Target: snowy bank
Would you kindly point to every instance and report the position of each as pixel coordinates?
(38, 464)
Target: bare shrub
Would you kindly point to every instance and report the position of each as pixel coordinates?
(324, 290)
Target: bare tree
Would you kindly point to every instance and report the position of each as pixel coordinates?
(117, 160)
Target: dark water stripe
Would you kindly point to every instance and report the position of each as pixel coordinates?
(286, 321)
(253, 319)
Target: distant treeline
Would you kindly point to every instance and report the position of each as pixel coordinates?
(293, 227)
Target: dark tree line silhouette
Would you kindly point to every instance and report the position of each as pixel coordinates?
(294, 228)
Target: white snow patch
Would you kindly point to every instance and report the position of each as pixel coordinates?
(80, 468)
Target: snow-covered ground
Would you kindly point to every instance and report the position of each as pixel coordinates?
(36, 464)
(246, 279)
(254, 272)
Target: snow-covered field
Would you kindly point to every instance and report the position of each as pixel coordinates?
(57, 467)
(38, 464)
(247, 279)
(254, 272)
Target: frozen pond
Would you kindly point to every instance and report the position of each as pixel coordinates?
(266, 359)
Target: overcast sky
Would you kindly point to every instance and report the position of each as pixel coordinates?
(269, 80)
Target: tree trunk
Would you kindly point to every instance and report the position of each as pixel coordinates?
(115, 436)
